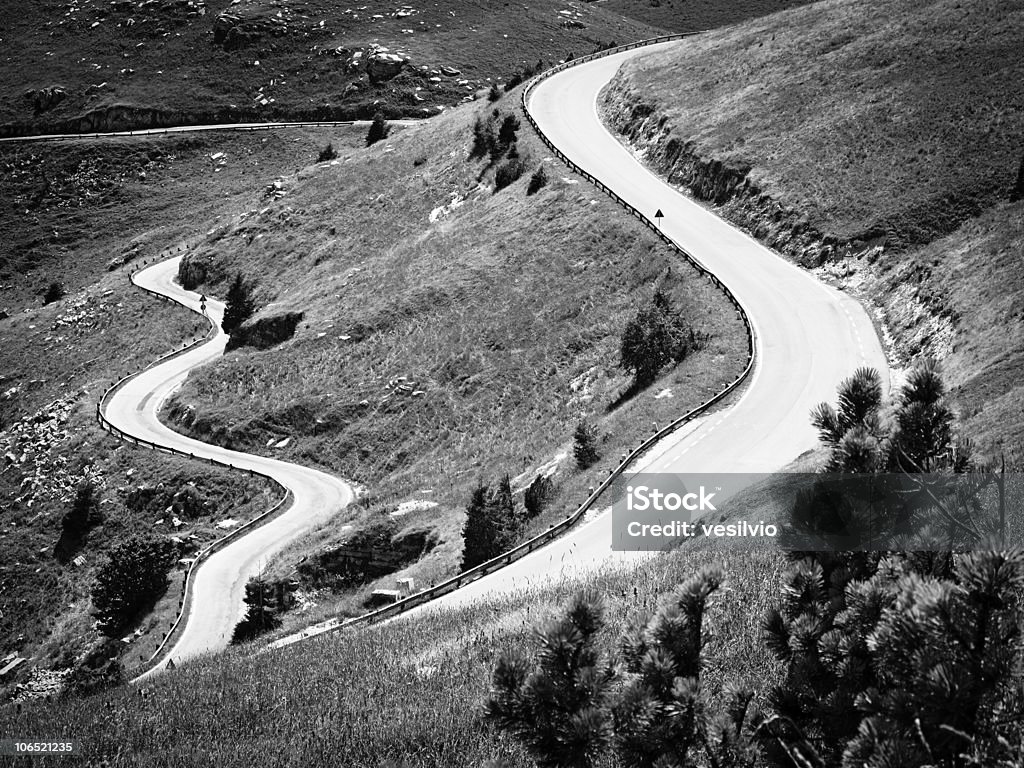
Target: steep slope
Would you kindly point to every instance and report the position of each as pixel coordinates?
(864, 139)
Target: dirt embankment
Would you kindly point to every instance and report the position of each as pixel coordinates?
(727, 185)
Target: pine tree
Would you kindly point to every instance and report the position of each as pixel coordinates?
(483, 139)
(507, 131)
(240, 305)
(492, 524)
(537, 495)
(558, 706)
(585, 446)
(538, 181)
(657, 336)
(569, 705)
(265, 602)
(134, 575)
(903, 660)
(923, 438)
(379, 130)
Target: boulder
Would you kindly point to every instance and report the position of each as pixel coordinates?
(384, 66)
(44, 99)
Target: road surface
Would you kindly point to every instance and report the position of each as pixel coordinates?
(219, 583)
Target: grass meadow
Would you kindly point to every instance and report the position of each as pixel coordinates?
(405, 693)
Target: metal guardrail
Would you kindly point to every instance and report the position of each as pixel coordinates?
(105, 424)
(460, 580)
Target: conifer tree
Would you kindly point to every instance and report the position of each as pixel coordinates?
(558, 706)
(536, 497)
(240, 305)
(492, 524)
(585, 446)
(379, 129)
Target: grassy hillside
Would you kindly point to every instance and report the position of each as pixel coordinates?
(70, 209)
(696, 15)
(881, 141)
(408, 693)
(271, 58)
(440, 346)
(56, 362)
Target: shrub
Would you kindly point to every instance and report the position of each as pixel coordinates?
(657, 336)
(130, 581)
(905, 659)
(379, 129)
(507, 131)
(327, 154)
(240, 305)
(536, 497)
(483, 139)
(54, 292)
(584, 447)
(84, 512)
(492, 524)
(494, 94)
(265, 602)
(508, 172)
(569, 705)
(538, 181)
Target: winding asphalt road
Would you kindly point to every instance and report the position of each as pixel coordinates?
(809, 336)
(219, 583)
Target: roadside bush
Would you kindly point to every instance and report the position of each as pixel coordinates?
(130, 581)
(379, 129)
(327, 154)
(656, 337)
(537, 495)
(97, 670)
(584, 446)
(508, 173)
(538, 181)
(494, 94)
(492, 524)
(265, 602)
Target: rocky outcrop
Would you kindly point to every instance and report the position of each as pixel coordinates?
(265, 332)
(727, 184)
(194, 269)
(44, 99)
